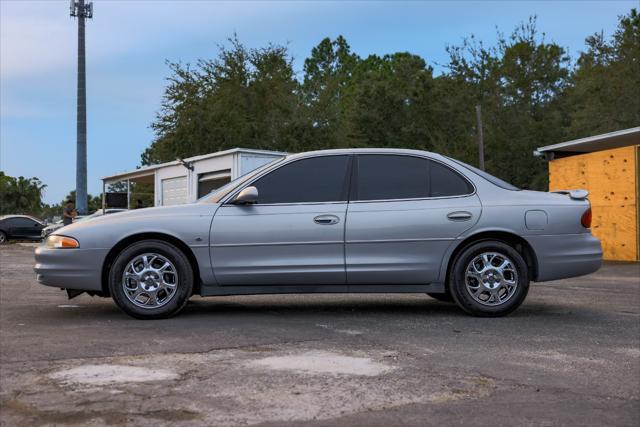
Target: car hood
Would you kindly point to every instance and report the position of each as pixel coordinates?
(191, 209)
(189, 223)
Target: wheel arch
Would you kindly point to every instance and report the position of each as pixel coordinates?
(507, 237)
(129, 240)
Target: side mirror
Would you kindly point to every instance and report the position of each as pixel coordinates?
(247, 196)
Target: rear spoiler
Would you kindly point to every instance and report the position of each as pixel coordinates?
(574, 194)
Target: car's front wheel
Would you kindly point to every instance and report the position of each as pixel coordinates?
(3, 238)
(489, 278)
(151, 279)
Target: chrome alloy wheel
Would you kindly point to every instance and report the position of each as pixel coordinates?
(491, 278)
(150, 280)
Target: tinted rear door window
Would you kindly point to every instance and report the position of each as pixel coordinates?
(388, 177)
(318, 179)
(384, 177)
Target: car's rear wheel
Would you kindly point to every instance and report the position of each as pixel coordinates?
(489, 278)
(3, 238)
(151, 279)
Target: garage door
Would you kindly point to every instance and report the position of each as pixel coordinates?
(174, 191)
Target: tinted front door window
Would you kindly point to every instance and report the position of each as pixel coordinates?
(318, 179)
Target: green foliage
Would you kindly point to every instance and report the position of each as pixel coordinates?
(518, 84)
(245, 97)
(93, 202)
(142, 191)
(20, 195)
(605, 95)
(530, 93)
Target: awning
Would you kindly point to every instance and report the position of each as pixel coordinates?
(210, 176)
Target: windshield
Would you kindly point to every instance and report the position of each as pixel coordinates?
(216, 195)
(93, 215)
(492, 179)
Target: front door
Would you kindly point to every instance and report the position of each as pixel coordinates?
(293, 235)
(25, 228)
(404, 214)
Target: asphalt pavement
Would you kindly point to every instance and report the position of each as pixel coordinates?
(569, 356)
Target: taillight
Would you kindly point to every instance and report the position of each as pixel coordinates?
(586, 218)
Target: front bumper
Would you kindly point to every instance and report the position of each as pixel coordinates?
(70, 268)
(565, 255)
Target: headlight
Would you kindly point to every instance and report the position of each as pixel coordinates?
(61, 242)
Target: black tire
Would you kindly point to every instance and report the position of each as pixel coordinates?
(3, 237)
(463, 297)
(444, 297)
(183, 289)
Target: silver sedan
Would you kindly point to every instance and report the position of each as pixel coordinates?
(357, 220)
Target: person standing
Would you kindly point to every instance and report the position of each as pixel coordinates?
(69, 213)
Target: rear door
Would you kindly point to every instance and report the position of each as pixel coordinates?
(405, 211)
(293, 235)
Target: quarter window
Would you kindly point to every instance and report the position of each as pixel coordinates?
(317, 179)
(447, 183)
(388, 177)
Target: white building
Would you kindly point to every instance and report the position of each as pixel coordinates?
(186, 180)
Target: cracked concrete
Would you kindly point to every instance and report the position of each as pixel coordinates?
(569, 356)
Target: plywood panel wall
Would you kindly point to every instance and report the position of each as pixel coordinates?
(611, 177)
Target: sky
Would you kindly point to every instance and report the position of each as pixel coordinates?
(128, 42)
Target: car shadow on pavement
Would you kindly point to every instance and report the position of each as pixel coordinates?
(298, 306)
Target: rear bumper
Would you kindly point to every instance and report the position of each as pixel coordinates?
(565, 255)
(70, 268)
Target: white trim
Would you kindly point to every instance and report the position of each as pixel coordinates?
(149, 170)
(210, 176)
(576, 143)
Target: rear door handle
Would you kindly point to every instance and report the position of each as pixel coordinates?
(459, 216)
(326, 219)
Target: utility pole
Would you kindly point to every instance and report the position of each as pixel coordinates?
(81, 10)
(480, 137)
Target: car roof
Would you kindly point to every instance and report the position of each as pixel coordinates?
(3, 217)
(363, 151)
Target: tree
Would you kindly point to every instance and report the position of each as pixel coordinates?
(325, 93)
(243, 98)
(530, 92)
(20, 195)
(605, 95)
(393, 99)
(518, 83)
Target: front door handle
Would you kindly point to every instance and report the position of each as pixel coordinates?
(326, 219)
(459, 216)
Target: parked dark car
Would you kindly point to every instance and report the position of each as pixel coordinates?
(20, 227)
